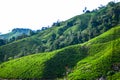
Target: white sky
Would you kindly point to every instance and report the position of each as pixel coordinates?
(35, 14)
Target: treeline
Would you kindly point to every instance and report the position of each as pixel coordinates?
(84, 27)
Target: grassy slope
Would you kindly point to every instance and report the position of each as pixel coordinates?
(90, 60)
(103, 53)
(42, 65)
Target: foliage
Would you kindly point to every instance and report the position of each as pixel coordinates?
(88, 61)
(2, 42)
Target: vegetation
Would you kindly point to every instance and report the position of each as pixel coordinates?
(78, 29)
(85, 47)
(2, 42)
(15, 34)
(95, 59)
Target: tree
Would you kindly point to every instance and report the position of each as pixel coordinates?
(56, 23)
(2, 42)
(60, 31)
(111, 4)
(85, 9)
(44, 28)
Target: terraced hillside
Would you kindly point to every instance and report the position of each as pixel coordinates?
(78, 29)
(95, 59)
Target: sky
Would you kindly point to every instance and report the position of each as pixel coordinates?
(35, 14)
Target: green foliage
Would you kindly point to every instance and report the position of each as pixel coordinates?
(103, 53)
(2, 42)
(92, 60)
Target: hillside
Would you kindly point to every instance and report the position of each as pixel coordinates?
(15, 33)
(78, 29)
(95, 59)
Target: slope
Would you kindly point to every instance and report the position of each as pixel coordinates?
(103, 60)
(94, 59)
(15, 33)
(78, 29)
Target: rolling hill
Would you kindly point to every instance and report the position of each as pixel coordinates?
(78, 29)
(15, 33)
(95, 59)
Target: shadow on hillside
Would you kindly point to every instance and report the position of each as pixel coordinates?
(63, 62)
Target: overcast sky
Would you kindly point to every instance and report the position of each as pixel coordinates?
(35, 14)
